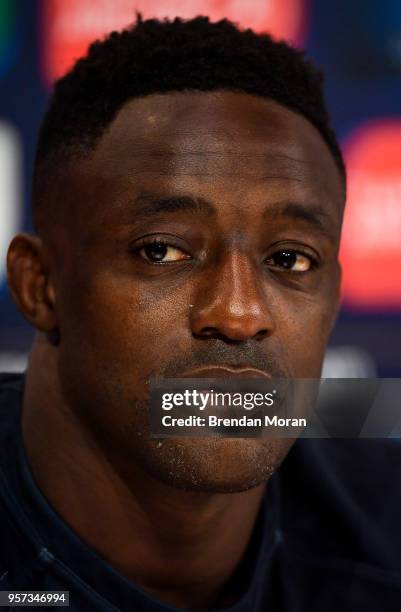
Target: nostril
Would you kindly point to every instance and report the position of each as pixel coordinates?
(209, 331)
(261, 334)
(212, 332)
(235, 335)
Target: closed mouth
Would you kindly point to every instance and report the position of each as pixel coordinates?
(225, 371)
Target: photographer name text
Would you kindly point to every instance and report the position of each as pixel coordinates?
(243, 421)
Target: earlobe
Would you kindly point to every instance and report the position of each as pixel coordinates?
(30, 283)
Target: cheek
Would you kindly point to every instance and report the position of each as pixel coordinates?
(115, 336)
(121, 324)
(303, 331)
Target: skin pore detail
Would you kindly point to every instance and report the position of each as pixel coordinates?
(243, 199)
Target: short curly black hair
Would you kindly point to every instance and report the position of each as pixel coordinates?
(154, 56)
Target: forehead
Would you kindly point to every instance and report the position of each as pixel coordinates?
(225, 146)
(206, 124)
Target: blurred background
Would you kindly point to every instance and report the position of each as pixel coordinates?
(358, 45)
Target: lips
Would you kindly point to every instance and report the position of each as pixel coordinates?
(225, 372)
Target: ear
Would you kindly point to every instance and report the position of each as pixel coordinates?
(30, 283)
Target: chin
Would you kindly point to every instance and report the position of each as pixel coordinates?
(215, 465)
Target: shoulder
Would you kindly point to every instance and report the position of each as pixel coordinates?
(15, 551)
(10, 382)
(343, 497)
(11, 390)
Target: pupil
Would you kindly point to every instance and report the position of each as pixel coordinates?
(286, 259)
(156, 251)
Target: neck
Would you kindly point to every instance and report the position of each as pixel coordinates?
(181, 546)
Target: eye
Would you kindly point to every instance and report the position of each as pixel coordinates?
(289, 259)
(161, 252)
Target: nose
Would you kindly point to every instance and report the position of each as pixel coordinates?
(232, 303)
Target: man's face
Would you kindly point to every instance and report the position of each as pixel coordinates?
(203, 231)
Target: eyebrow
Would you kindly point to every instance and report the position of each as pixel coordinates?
(313, 214)
(149, 205)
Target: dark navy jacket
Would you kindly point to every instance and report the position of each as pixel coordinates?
(327, 538)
